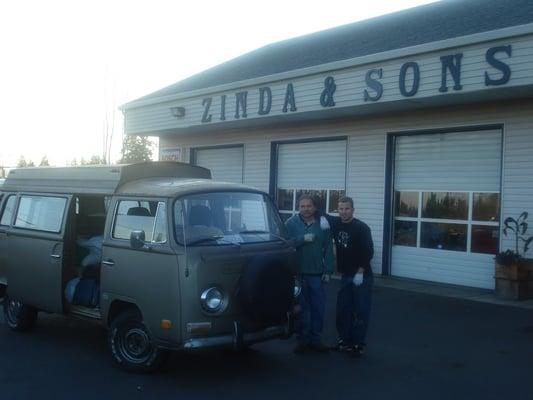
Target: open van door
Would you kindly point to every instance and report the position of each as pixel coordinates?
(35, 250)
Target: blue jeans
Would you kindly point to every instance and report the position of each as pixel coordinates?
(353, 309)
(313, 304)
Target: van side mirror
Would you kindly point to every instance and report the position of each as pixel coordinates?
(137, 239)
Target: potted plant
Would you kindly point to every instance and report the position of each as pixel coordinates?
(514, 272)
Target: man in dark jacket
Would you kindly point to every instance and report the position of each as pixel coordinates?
(355, 249)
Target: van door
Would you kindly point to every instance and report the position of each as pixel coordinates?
(6, 218)
(35, 246)
(146, 276)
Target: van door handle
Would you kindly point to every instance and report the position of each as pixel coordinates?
(109, 263)
(55, 256)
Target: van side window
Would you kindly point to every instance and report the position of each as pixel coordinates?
(41, 213)
(147, 216)
(8, 211)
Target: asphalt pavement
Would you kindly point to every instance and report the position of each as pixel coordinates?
(420, 345)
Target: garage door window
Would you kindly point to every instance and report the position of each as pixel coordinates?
(457, 221)
(325, 200)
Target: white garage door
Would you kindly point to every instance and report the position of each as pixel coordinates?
(225, 163)
(446, 207)
(318, 168)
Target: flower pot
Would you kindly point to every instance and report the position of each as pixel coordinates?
(514, 282)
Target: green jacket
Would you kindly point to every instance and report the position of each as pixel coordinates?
(313, 257)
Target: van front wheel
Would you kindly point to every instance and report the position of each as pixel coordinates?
(131, 346)
(18, 316)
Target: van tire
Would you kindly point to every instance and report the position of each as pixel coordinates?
(18, 316)
(131, 345)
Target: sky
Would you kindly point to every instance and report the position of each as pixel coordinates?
(66, 66)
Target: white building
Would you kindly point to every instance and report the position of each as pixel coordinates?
(424, 117)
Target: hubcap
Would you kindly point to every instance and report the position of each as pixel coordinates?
(135, 345)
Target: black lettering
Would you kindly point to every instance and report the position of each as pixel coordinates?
(289, 99)
(265, 109)
(240, 102)
(499, 65)
(374, 84)
(452, 63)
(223, 107)
(207, 105)
(416, 79)
(326, 98)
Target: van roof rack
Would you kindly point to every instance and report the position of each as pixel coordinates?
(96, 179)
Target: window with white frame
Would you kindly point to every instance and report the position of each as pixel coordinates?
(325, 199)
(457, 221)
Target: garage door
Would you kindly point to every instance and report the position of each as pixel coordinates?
(225, 163)
(446, 207)
(318, 168)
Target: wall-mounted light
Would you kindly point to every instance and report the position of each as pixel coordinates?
(177, 112)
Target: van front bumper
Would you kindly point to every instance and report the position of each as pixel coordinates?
(239, 339)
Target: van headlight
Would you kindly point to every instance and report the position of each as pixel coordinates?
(297, 288)
(212, 299)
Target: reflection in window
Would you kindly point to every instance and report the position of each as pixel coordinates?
(334, 196)
(406, 204)
(318, 195)
(9, 209)
(445, 205)
(41, 213)
(485, 239)
(405, 233)
(285, 199)
(486, 207)
(443, 236)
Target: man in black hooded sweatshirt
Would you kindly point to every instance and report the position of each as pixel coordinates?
(355, 249)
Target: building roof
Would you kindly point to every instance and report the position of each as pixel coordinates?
(424, 24)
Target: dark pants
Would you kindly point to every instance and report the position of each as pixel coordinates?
(353, 309)
(313, 303)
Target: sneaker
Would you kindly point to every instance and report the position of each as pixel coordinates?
(359, 349)
(319, 347)
(342, 347)
(301, 348)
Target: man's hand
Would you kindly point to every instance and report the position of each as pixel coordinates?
(358, 279)
(325, 278)
(309, 237)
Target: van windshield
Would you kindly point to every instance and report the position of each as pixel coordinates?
(225, 218)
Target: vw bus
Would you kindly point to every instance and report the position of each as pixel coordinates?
(160, 254)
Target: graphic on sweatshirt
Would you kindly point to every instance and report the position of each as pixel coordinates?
(343, 238)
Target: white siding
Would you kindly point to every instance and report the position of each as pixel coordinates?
(350, 87)
(366, 155)
(518, 171)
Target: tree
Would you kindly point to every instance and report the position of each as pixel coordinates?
(44, 162)
(136, 149)
(95, 160)
(22, 162)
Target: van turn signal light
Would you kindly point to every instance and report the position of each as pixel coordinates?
(166, 323)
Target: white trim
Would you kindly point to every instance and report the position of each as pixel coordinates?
(476, 38)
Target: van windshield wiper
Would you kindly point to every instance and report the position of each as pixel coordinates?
(211, 239)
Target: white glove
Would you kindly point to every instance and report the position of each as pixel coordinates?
(325, 278)
(358, 279)
(324, 224)
(309, 237)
